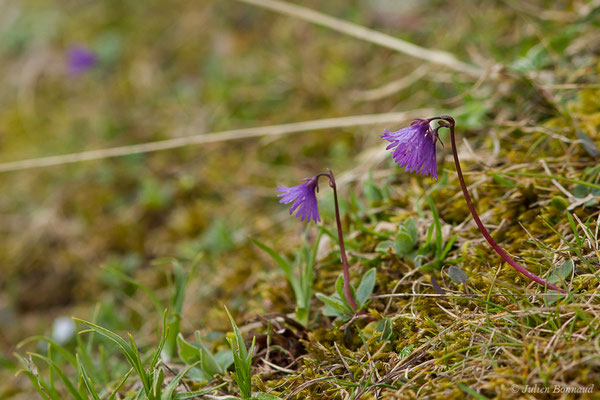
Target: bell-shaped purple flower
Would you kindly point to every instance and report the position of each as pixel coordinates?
(414, 148)
(79, 60)
(303, 199)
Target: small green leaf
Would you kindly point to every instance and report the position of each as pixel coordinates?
(562, 272)
(410, 226)
(407, 237)
(580, 191)
(199, 375)
(224, 358)
(329, 311)
(405, 352)
(457, 275)
(385, 246)
(199, 353)
(209, 364)
(403, 245)
(366, 286)
(189, 353)
(386, 329)
(335, 303)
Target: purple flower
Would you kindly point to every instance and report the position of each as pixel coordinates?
(414, 148)
(303, 199)
(80, 60)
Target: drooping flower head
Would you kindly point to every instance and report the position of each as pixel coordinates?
(414, 147)
(79, 60)
(303, 199)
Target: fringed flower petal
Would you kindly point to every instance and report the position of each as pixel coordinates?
(414, 148)
(303, 199)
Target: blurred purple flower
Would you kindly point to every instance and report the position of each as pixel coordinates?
(414, 148)
(80, 60)
(303, 199)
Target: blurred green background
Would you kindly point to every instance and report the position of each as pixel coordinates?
(167, 70)
(178, 68)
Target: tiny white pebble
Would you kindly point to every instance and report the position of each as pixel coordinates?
(63, 329)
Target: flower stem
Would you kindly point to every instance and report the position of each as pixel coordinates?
(449, 123)
(347, 291)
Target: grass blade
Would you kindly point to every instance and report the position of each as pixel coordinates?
(87, 381)
(114, 393)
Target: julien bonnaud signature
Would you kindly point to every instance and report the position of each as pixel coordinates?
(552, 389)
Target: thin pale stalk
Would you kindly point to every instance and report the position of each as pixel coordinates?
(484, 231)
(360, 32)
(347, 291)
(204, 138)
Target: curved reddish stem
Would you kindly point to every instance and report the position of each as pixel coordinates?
(450, 124)
(347, 291)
